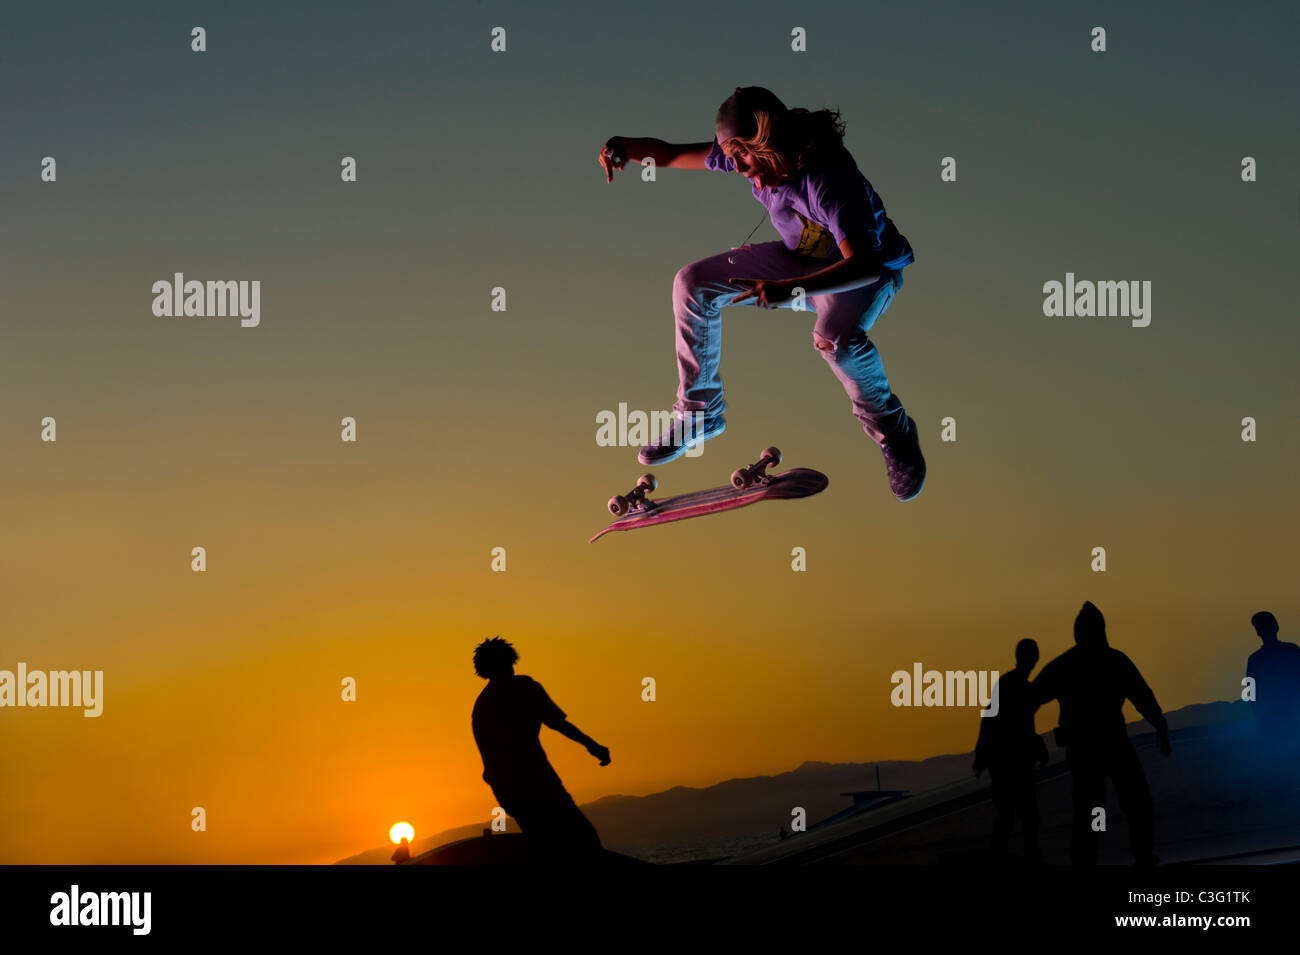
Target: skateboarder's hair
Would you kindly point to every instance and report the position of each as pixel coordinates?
(796, 142)
(1264, 621)
(494, 657)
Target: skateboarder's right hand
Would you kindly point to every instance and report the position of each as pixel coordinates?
(600, 752)
(612, 156)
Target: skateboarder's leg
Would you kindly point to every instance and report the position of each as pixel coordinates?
(580, 833)
(1029, 817)
(840, 336)
(1134, 798)
(518, 807)
(1088, 791)
(1004, 808)
(559, 827)
(700, 291)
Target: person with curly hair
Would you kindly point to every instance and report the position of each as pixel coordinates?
(507, 720)
(839, 256)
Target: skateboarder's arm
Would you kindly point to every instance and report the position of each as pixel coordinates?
(858, 268)
(1043, 690)
(668, 155)
(565, 728)
(1144, 700)
(1140, 695)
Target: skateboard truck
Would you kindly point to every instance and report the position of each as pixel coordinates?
(620, 504)
(742, 478)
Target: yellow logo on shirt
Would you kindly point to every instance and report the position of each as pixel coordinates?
(815, 241)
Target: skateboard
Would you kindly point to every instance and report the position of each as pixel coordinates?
(748, 484)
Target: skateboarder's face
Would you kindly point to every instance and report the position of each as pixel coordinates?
(749, 166)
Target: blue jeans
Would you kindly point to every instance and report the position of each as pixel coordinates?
(701, 290)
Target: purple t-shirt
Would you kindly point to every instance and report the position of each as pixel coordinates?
(816, 209)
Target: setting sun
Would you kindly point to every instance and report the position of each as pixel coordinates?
(402, 830)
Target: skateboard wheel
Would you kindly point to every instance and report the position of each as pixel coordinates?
(647, 481)
(773, 453)
(618, 505)
(740, 478)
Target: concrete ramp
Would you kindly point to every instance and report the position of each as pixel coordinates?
(1221, 796)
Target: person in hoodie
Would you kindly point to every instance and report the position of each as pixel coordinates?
(1091, 681)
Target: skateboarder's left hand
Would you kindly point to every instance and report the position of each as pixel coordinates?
(600, 752)
(766, 293)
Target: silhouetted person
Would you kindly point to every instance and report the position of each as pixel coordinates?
(1092, 680)
(1275, 668)
(1008, 747)
(403, 851)
(508, 716)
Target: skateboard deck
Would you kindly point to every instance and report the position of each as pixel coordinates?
(795, 483)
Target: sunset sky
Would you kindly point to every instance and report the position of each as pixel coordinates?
(477, 428)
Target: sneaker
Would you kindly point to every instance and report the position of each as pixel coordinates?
(904, 463)
(666, 448)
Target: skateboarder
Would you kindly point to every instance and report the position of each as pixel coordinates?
(1092, 680)
(1008, 747)
(837, 245)
(507, 717)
